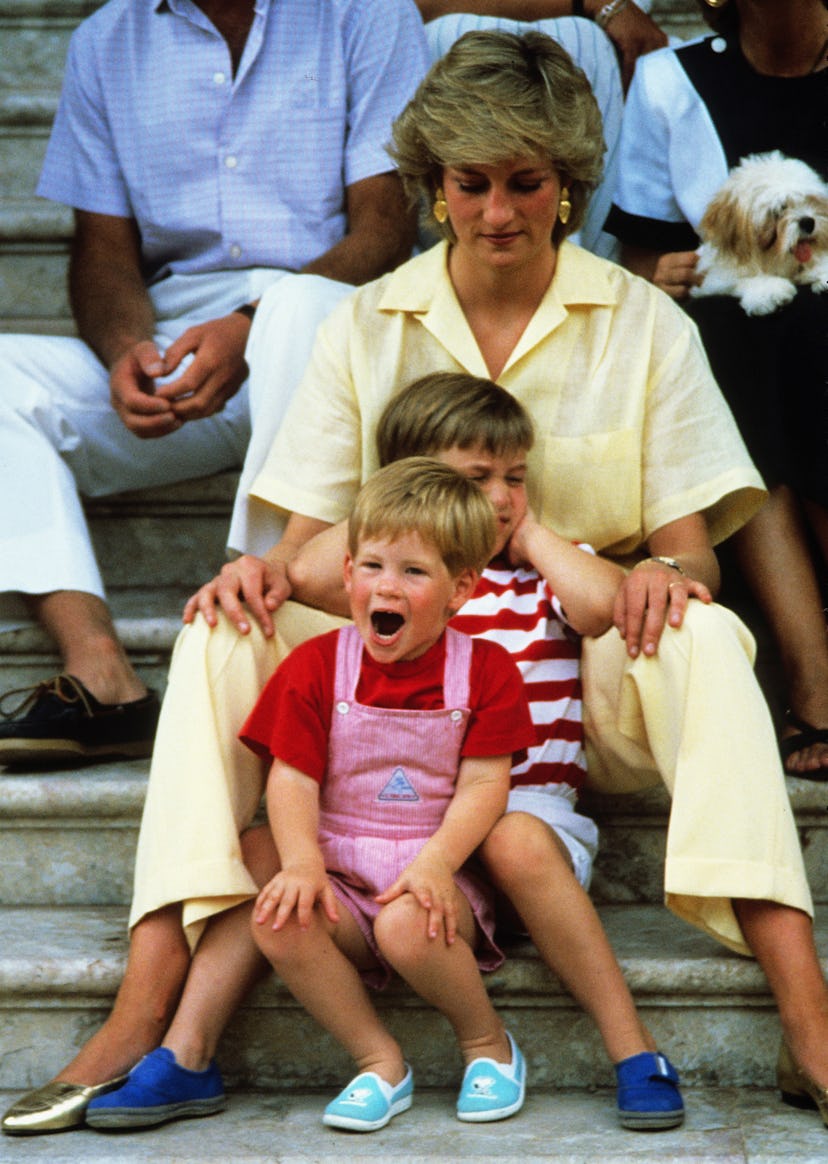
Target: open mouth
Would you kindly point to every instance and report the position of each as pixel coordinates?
(804, 250)
(386, 623)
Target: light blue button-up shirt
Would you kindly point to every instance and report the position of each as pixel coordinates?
(225, 172)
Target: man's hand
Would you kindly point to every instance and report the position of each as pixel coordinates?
(216, 371)
(252, 582)
(132, 388)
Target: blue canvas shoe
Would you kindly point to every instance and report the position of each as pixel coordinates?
(157, 1090)
(648, 1092)
(369, 1103)
(492, 1091)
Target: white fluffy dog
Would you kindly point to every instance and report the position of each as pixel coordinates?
(764, 232)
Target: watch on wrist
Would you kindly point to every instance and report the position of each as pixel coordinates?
(671, 562)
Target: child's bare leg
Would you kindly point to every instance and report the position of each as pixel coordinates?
(319, 966)
(445, 976)
(157, 966)
(226, 965)
(531, 867)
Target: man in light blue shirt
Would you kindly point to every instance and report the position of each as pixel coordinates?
(208, 147)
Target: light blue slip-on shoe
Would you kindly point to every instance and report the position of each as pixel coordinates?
(368, 1103)
(648, 1092)
(156, 1090)
(492, 1091)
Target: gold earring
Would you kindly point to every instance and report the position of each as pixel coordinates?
(716, 3)
(440, 207)
(564, 206)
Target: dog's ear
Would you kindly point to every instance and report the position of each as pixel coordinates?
(728, 226)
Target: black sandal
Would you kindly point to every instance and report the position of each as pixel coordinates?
(806, 735)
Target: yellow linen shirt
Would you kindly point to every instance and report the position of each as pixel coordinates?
(631, 429)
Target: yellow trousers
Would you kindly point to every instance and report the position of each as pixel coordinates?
(692, 716)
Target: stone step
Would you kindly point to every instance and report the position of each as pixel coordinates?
(68, 837)
(710, 1010)
(724, 1124)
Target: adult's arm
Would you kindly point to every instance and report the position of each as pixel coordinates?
(114, 315)
(655, 594)
(631, 30)
(672, 271)
(254, 586)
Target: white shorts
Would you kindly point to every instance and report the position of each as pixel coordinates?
(555, 804)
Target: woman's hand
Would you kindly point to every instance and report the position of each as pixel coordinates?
(252, 582)
(675, 273)
(652, 596)
(430, 880)
(298, 887)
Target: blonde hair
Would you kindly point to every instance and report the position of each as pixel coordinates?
(422, 496)
(495, 97)
(452, 410)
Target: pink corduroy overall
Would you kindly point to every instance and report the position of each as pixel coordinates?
(390, 778)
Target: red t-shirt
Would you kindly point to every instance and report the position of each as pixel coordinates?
(292, 718)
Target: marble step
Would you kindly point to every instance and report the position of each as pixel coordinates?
(710, 1010)
(68, 837)
(724, 1125)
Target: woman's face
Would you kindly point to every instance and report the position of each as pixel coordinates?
(503, 215)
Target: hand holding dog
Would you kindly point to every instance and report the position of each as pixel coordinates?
(675, 273)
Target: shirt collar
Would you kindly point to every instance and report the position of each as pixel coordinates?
(422, 287)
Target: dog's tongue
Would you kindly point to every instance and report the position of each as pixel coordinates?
(802, 252)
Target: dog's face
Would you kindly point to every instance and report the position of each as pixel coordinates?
(770, 215)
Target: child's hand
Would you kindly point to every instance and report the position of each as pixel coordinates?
(430, 881)
(296, 887)
(517, 548)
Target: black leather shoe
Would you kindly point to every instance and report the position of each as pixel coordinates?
(59, 720)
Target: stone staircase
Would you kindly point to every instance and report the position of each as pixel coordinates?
(66, 849)
(67, 840)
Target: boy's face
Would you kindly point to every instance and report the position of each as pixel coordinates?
(502, 478)
(402, 595)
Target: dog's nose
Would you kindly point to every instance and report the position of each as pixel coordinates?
(807, 224)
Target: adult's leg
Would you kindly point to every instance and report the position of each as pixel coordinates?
(734, 867)
(774, 554)
(278, 349)
(533, 869)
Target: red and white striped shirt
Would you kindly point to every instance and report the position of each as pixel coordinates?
(516, 608)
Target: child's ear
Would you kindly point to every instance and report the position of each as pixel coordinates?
(348, 571)
(465, 585)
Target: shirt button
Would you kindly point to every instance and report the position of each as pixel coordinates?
(342, 707)
(457, 716)
(219, 78)
(235, 251)
(718, 44)
(231, 161)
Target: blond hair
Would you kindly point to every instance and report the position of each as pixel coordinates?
(422, 496)
(495, 97)
(446, 410)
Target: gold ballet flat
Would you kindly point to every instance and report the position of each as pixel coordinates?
(797, 1087)
(57, 1107)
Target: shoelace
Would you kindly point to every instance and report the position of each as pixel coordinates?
(67, 689)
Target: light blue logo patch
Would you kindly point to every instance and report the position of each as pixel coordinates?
(398, 788)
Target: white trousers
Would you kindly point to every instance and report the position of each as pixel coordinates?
(693, 717)
(60, 439)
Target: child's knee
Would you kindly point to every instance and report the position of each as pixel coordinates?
(521, 847)
(400, 931)
(284, 946)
